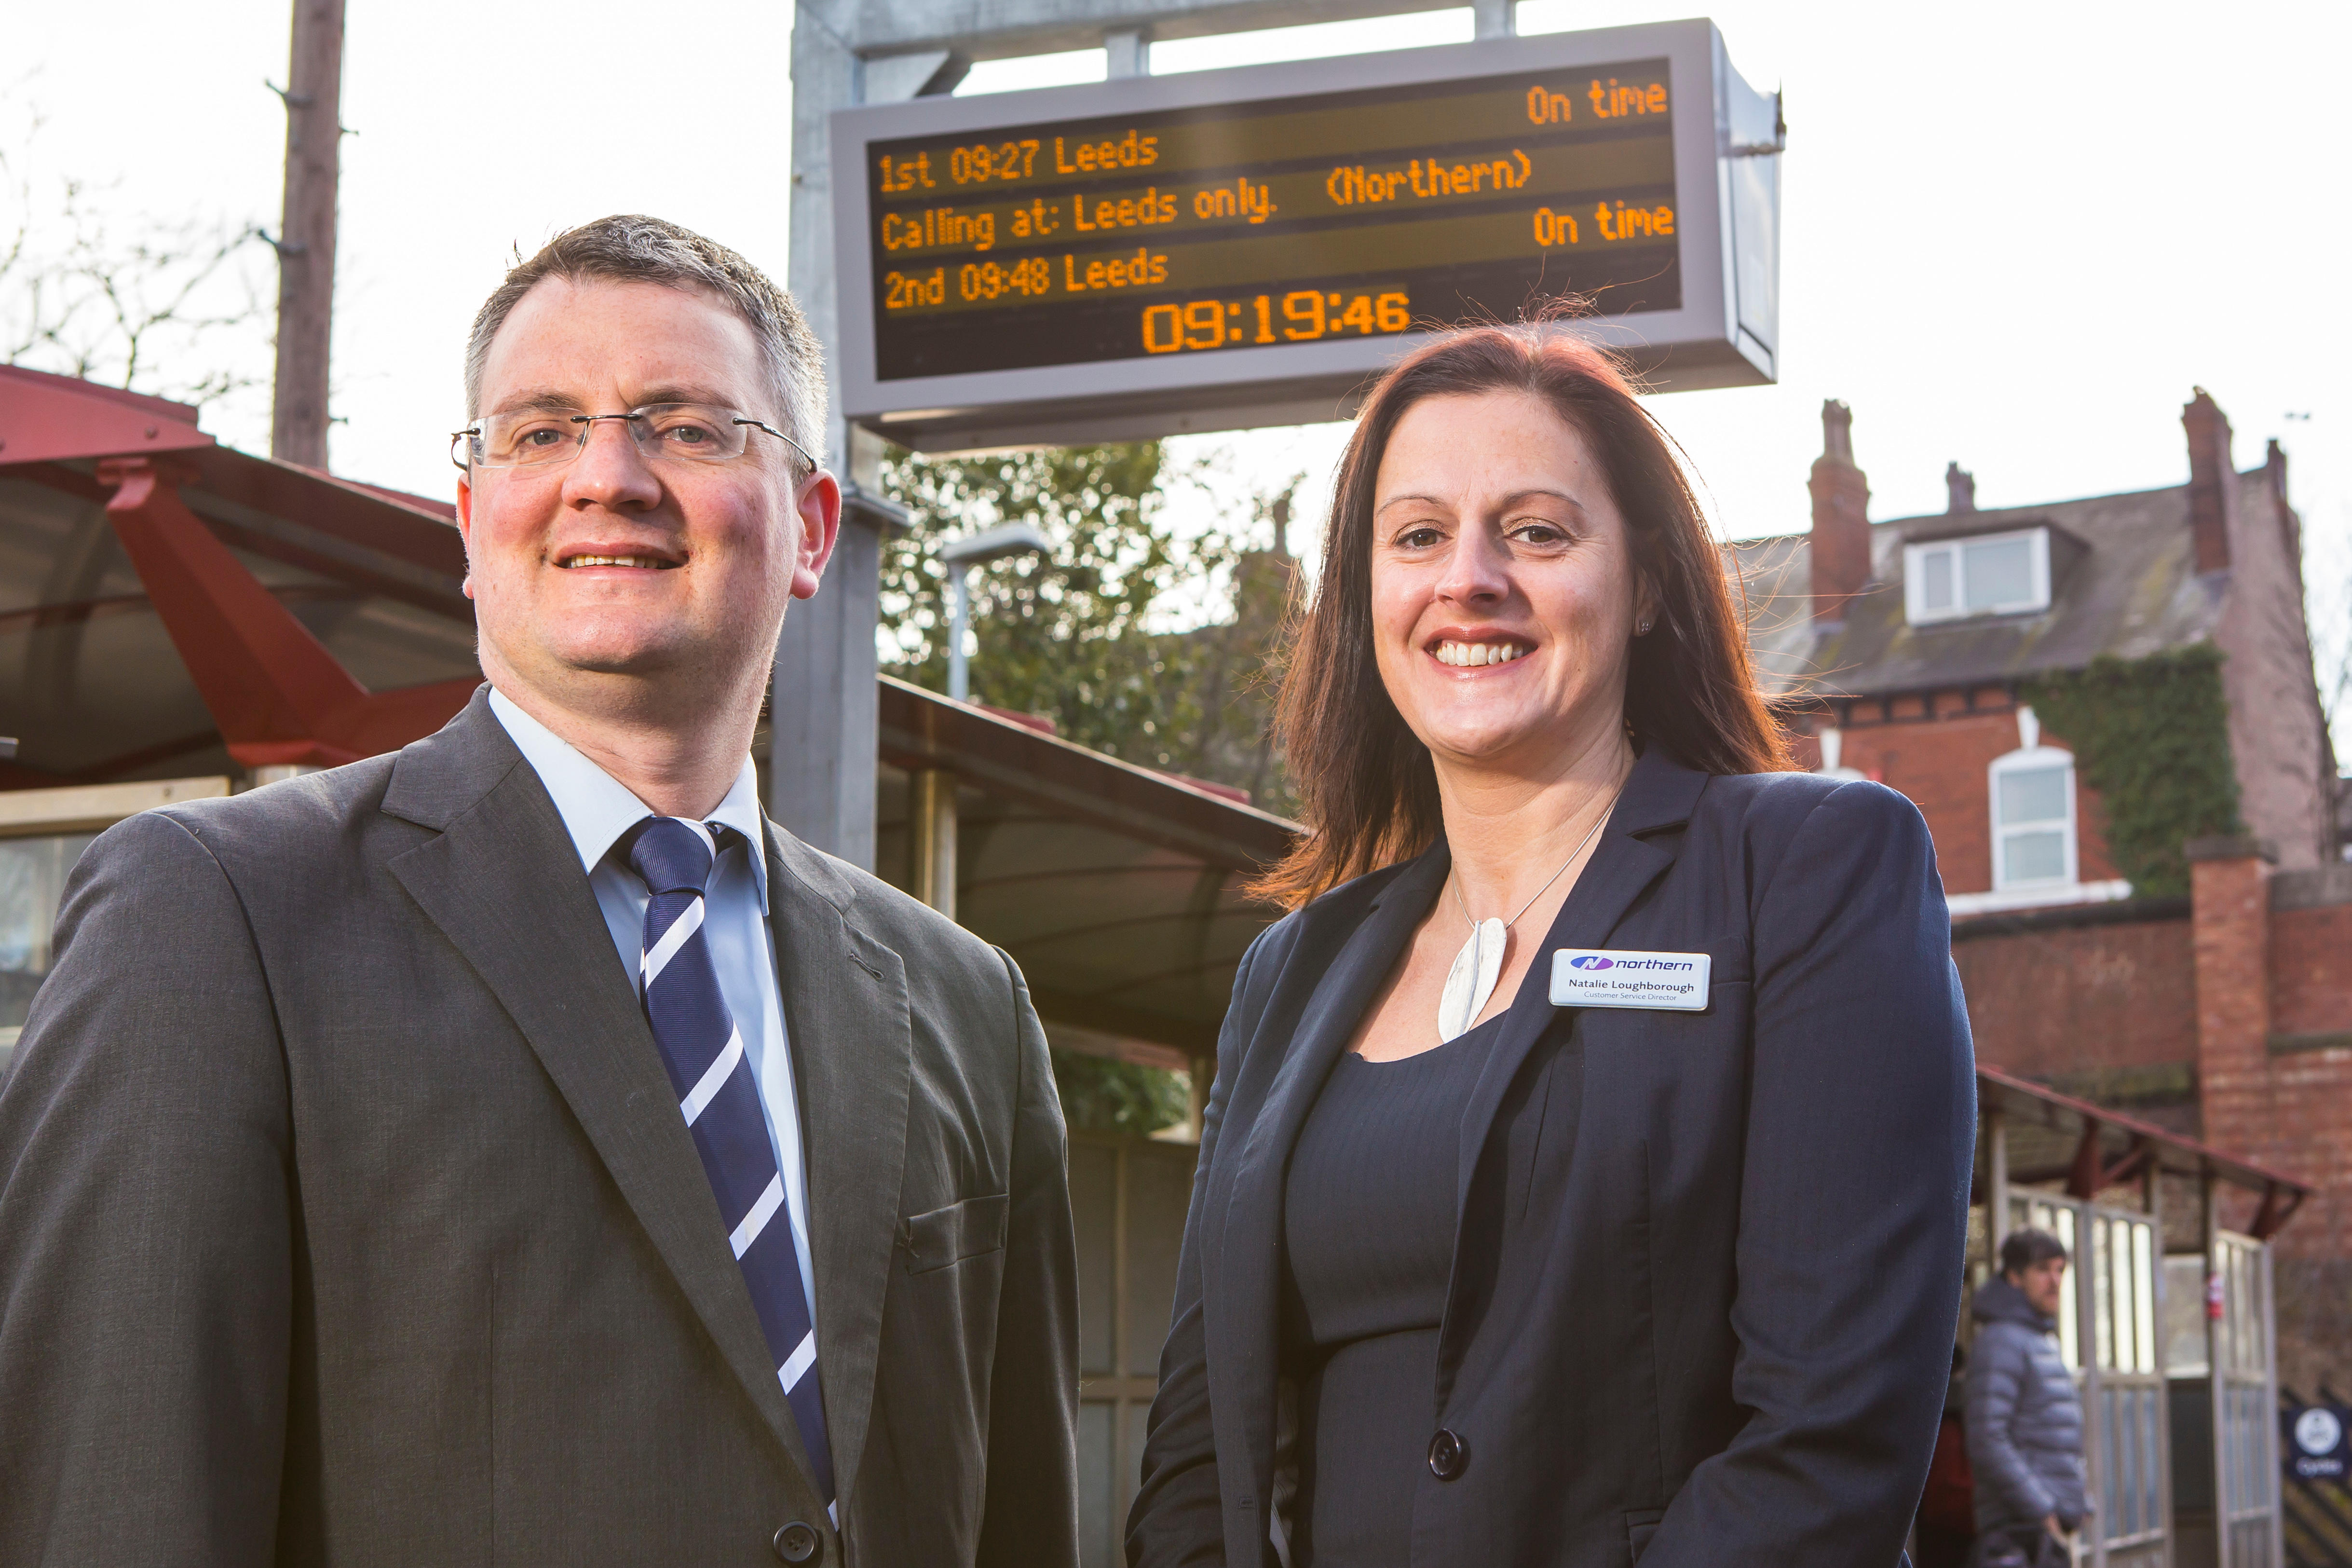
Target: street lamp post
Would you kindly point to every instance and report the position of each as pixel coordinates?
(960, 556)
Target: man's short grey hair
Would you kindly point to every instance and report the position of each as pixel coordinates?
(633, 249)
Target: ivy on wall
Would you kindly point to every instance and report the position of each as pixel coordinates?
(2152, 736)
(1100, 1095)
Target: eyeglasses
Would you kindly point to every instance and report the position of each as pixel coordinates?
(664, 432)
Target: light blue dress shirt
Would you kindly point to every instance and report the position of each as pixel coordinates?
(597, 809)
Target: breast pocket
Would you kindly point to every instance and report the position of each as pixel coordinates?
(946, 1237)
(1640, 1525)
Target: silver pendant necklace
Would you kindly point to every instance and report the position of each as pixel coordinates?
(1470, 983)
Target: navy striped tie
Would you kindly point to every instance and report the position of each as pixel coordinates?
(703, 1050)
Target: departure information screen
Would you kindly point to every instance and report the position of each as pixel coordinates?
(1361, 213)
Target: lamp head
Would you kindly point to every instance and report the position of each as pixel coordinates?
(995, 544)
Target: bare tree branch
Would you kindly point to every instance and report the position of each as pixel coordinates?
(175, 306)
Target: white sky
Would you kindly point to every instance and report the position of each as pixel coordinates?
(2015, 234)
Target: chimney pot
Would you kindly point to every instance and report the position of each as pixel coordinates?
(1961, 486)
(1837, 431)
(1841, 533)
(2213, 481)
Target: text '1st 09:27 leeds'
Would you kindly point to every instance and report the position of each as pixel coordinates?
(1246, 226)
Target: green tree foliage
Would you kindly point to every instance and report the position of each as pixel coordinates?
(1103, 1095)
(1091, 637)
(2152, 736)
(1069, 637)
(1086, 638)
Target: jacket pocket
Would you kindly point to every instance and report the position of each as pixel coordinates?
(949, 1235)
(1640, 1525)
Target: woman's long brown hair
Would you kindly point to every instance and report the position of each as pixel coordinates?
(1365, 784)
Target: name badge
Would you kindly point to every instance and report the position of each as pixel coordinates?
(1595, 977)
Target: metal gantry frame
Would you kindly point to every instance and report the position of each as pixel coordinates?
(847, 52)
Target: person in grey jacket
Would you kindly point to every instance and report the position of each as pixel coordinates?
(2025, 1419)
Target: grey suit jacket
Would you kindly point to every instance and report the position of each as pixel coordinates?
(346, 1216)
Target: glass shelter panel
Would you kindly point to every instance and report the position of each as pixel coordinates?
(2245, 1428)
(2107, 1312)
(32, 880)
(2057, 1216)
(43, 833)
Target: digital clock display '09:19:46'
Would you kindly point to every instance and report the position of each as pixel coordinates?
(1300, 316)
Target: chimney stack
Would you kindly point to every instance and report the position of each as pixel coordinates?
(1961, 486)
(1841, 536)
(2213, 481)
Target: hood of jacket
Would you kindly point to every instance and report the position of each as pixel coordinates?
(1998, 1301)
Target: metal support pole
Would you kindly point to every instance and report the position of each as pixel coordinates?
(305, 234)
(2269, 1429)
(931, 831)
(1996, 1184)
(825, 718)
(826, 721)
(1495, 19)
(1126, 53)
(2217, 1346)
(958, 628)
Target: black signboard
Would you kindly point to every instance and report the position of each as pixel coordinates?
(1204, 230)
(1229, 248)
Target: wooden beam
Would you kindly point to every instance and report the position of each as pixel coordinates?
(2278, 1205)
(2082, 1177)
(305, 234)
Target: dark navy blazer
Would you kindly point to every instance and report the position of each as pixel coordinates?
(1707, 1266)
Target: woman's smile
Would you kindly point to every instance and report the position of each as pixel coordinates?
(1480, 655)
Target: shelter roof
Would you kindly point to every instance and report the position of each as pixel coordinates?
(90, 683)
(1118, 891)
(2045, 1132)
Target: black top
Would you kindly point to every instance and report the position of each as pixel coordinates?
(1709, 1271)
(1368, 1224)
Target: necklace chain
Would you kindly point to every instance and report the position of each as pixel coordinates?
(1555, 877)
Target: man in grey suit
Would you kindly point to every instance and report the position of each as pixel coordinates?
(517, 1149)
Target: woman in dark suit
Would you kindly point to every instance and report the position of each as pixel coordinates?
(1667, 1273)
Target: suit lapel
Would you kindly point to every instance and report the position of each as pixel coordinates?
(1242, 1301)
(845, 1001)
(502, 883)
(1658, 794)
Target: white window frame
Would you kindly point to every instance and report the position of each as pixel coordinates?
(1832, 744)
(1915, 575)
(2028, 758)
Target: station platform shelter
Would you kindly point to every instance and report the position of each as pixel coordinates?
(2166, 1318)
(179, 619)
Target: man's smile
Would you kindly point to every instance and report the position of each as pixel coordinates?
(638, 560)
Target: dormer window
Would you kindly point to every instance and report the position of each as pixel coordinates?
(1986, 575)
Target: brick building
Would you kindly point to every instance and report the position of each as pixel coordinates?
(2154, 914)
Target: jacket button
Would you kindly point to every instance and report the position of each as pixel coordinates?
(1449, 1456)
(796, 1543)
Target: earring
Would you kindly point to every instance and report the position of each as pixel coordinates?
(1640, 628)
